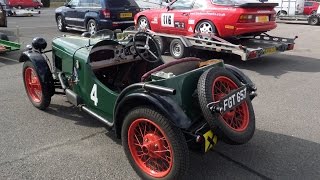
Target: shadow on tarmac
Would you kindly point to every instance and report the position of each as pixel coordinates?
(267, 156)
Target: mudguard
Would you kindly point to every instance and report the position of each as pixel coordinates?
(163, 104)
(41, 67)
(240, 75)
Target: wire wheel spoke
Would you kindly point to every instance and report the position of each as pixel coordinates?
(149, 147)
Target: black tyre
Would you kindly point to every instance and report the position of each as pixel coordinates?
(4, 37)
(38, 91)
(282, 13)
(156, 149)
(236, 126)
(206, 27)
(163, 45)
(178, 50)
(60, 24)
(143, 23)
(92, 27)
(313, 20)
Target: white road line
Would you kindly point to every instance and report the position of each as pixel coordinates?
(31, 27)
(9, 59)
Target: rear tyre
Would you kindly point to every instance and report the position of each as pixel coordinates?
(236, 126)
(206, 27)
(156, 149)
(92, 26)
(60, 24)
(178, 50)
(143, 23)
(37, 90)
(313, 20)
(163, 45)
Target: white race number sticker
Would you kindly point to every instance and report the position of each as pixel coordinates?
(94, 95)
(167, 19)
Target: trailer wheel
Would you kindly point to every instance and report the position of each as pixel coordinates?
(236, 126)
(313, 20)
(177, 49)
(163, 45)
(155, 148)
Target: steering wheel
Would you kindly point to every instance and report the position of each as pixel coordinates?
(147, 47)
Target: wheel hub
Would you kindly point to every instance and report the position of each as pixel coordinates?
(151, 144)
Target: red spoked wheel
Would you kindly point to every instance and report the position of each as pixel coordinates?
(150, 148)
(33, 85)
(238, 118)
(236, 126)
(38, 90)
(155, 148)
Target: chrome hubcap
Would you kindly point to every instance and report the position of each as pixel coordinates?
(205, 28)
(143, 23)
(92, 28)
(177, 49)
(59, 23)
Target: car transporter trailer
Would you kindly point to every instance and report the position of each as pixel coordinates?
(247, 48)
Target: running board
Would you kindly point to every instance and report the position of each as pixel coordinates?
(76, 29)
(105, 121)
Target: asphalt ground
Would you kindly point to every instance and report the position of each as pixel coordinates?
(64, 143)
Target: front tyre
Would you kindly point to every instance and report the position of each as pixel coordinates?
(37, 90)
(156, 149)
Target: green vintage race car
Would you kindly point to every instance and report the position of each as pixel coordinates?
(159, 110)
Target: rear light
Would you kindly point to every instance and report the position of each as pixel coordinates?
(106, 13)
(272, 17)
(252, 55)
(290, 46)
(246, 18)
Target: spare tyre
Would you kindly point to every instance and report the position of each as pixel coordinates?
(236, 126)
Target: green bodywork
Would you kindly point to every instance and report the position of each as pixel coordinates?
(9, 45)
(65, 48)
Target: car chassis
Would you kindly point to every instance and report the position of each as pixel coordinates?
(158, 109)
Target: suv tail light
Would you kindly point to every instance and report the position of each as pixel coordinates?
(246, 18)
(106, 13)
(272, 17)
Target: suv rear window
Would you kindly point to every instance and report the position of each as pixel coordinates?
(121, 3)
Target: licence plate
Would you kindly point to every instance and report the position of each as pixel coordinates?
(271, 50)
(125, 15)
(262, 19)
(233, 99)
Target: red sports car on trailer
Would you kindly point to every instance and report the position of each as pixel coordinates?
(225, 18)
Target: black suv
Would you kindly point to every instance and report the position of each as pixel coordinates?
(92, 15)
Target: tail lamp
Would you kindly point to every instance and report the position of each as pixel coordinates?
(106, 13)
